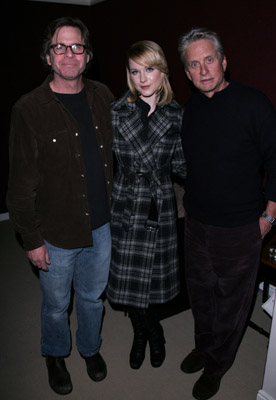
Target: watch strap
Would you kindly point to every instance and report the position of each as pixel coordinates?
(269, 218)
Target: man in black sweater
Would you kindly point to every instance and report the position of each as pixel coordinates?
(229, 140)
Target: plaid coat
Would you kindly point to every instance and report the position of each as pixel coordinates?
(144, 266)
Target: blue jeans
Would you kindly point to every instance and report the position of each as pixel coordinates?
(87, 268)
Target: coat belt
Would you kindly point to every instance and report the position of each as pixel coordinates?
(153, 177)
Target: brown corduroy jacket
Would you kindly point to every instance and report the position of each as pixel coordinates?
(47, 194)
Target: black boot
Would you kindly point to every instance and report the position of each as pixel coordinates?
(137, 353)
(96, 367)
(59, 378)
(156, 339)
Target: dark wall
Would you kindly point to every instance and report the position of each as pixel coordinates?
(247, 29)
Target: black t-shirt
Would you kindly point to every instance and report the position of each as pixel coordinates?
(78, 106)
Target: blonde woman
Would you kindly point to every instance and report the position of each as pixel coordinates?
(144, 268)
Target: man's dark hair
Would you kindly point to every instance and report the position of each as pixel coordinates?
(59, 23)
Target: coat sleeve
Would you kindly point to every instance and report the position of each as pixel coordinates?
(179, 167)
(23, 180)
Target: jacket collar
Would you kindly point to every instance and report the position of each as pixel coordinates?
(131, 127)
(45, 94)
(122, 103)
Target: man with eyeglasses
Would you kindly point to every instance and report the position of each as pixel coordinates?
(58, 197)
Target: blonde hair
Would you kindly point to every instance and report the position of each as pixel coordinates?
(150, 54)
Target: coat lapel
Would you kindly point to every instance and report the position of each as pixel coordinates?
(131, 129)
(159, 125)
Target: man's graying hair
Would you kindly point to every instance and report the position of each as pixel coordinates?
(196, 34)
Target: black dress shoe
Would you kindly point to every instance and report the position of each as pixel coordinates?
(96, 367)
(206, 386)
(194, 362)
(59, 377)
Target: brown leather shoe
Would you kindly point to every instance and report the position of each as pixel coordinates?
(194, 362)
(206, 387)
(59, 377)
(96, 367)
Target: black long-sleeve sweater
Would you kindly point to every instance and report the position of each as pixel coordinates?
(229, 140)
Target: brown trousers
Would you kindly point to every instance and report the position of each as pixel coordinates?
(221, 269)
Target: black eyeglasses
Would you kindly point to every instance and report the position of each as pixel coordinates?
(60, 48)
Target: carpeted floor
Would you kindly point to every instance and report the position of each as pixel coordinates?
(23, 373)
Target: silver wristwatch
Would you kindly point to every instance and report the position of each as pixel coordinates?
(269, 218)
